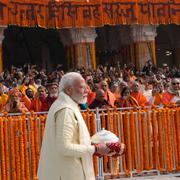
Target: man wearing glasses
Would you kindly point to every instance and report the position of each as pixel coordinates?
(173, 93)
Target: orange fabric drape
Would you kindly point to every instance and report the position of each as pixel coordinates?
(158, 99)
(61, 14)
(141, 99)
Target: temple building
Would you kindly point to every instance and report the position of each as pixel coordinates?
(88, 33)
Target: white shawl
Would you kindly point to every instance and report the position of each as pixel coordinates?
(84, 137)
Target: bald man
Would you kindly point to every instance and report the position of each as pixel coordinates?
(100, 100)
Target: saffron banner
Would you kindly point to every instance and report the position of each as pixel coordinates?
(71, 14)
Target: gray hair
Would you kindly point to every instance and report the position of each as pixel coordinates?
(68, 79)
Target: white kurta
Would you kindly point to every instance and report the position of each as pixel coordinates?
(66, 152)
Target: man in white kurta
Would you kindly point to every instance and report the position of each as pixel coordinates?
(66, 152)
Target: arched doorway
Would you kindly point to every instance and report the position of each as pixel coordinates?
(38, 46)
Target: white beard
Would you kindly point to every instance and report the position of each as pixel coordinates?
(53, 95)
(79, 99)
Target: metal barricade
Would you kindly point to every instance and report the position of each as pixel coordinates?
(152, 138)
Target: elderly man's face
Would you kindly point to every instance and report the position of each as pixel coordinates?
(104, 86)
(15, 98)
(175, 84)
(79, 91)
(100, 95)
(160, 87)
(122, 85)
(53, 89)
(136, 87)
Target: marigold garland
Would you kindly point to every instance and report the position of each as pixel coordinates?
(140, 141)
(163, 125)
(149, 124)
(37, 143)
(3, 161)
(166, 139)
(161, 142)
(133, 141)
(26, 148)
(115, 160)
(12, 148)
(174, 139)
(6, 127)
(84, 116)
(88, 122)
(33, 152)
(17, 150)
(155, 147)
(123, 141)
(144, 138)
(109, 120)
(127, 142)
(169, 141)
(22, 157)
(177, 122)
(115, 123)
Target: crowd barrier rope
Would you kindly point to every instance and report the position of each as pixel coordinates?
(151, 135)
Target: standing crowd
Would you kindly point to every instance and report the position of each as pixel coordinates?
(30, 89)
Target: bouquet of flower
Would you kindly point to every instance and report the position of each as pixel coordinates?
(111, 140)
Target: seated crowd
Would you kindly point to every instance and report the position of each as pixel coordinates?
(35, 90)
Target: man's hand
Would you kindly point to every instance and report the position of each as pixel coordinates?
(101, 149)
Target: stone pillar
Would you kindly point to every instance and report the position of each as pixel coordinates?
(80, 46)
(1, 40)
(143, 47)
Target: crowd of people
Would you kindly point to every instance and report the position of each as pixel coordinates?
(29, 89)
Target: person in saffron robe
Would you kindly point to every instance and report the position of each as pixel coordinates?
(3, 97)
(30, 93)
(109, 96)
(172, 95)
(15, 105)
(53, 93)
(141, 99)
(39, 103)
(157, 95)
(122, 85)
(126, 100)
(115, 90)
(91, 92)
(99, 101)
(25, 85)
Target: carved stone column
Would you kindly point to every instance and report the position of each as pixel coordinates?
(143, 37)
(1, 40)
(80, 46)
